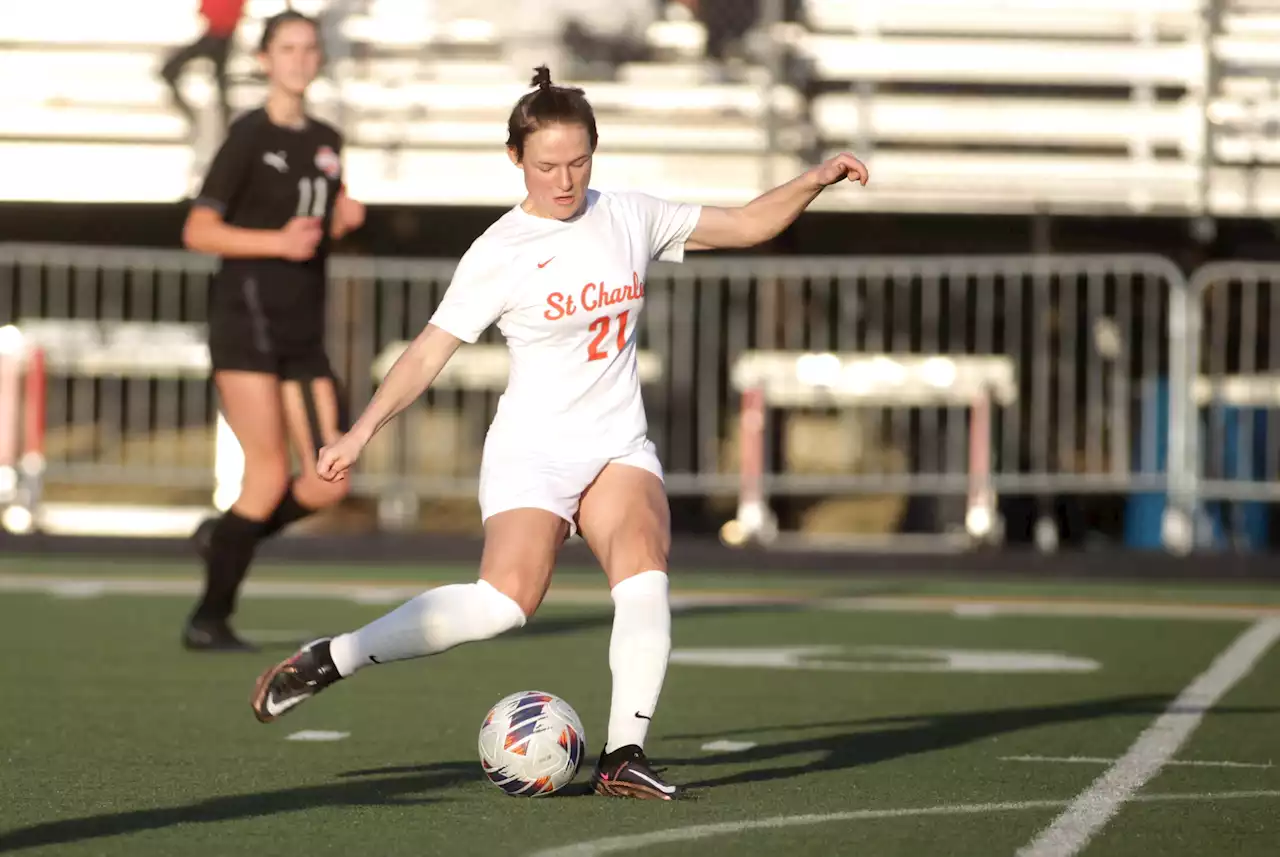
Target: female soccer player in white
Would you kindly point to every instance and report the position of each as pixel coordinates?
(563, 276)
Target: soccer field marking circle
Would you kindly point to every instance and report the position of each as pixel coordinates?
(729, 746)
(694, 832)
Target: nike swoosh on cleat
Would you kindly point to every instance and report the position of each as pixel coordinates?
(275, 709)
(666, 790)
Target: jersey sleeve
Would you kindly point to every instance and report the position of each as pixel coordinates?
(228, 172)
(669, 225)
(477, 296)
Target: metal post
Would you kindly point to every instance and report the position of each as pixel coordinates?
(771, 14)
(980, 512)
(1178, 524)
(1209, 30)
(754, 520)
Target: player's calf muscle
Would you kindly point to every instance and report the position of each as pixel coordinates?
(315, 493)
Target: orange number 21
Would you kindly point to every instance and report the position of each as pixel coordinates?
(601, 327)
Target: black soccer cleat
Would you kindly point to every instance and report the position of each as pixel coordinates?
(626, 773)
(293, 681)
(213, 635)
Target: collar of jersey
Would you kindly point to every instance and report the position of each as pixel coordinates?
(592, 197)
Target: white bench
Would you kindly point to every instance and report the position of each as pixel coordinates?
(86, 349)
(789, 379)
(122, 349)
(922, 59)
(1099, 18)
(1008, 121)
(640, 134)
(497, 97)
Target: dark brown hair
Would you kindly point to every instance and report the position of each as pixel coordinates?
(549, 104)
(275, 22)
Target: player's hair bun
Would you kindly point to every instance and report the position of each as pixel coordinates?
(548, 104)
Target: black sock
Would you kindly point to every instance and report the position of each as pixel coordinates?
(231, 550)
(288, 511)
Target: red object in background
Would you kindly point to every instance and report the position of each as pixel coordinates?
(33, 412)
(223, 15)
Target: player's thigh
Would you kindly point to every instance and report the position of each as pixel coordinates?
(250, 402)
(520, 549)
(626, 521)
(314, 419)
(311, 414)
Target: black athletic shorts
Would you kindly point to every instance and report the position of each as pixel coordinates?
(261, 319)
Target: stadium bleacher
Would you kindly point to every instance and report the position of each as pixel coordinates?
(993, 105)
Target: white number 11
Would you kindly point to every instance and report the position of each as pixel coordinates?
(311, 204)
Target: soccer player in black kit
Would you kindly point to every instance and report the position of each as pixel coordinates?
(271, 205)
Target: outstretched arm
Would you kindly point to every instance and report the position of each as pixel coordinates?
(768, 214)
(408, 379)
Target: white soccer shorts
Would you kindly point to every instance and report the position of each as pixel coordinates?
(514, 481)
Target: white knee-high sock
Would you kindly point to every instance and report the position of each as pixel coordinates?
(436, 620)
(638, 653)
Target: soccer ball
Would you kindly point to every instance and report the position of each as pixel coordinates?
(532, 743)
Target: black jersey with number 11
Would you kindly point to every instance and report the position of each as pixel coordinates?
(263, 176)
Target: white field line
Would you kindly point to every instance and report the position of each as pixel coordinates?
(694, 832)
(727, 746)
(318, 735)
(1053, 607)
(389, 593)
(1071, 831)
(1103, 760)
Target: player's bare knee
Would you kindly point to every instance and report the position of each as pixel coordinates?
(632, 563)
(338, 491)
(265, 482)
(523, 589)
(523, 579)
(315, 493)
(529, 603)
(631, 550)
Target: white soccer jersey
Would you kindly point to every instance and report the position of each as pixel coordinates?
(567, 296)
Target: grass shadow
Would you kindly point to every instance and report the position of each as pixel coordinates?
(882, 739)
(350, 791)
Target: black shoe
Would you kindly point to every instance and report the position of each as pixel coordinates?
(202, 538)
(626, 773)
(213, 635)
(293, 681)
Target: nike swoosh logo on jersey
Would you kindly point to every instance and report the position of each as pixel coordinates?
(546, 263)
(642, 717)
